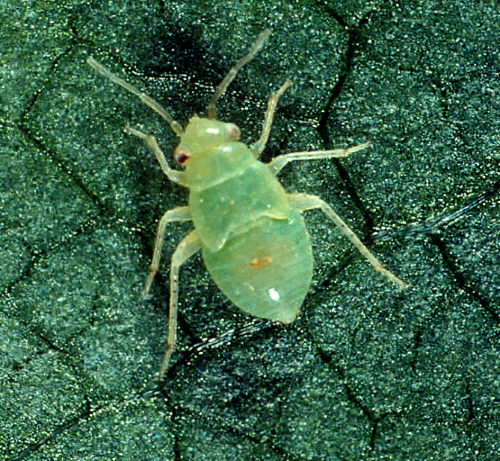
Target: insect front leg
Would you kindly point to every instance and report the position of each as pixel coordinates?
(190, 245)
(177, 214)
(260, 144)
(278, 163)
(179, 177)
(304, 202)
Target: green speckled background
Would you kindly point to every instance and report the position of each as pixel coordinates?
(367, 372)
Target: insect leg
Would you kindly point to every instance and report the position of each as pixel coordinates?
(304, 202)
(259, 146)
(187, 248)
(176, 214)
(178, 177)
(278, 163)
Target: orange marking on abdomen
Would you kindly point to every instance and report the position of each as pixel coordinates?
(260, 261)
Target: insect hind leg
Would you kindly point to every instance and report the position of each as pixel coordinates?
(181, 213)
(190, 245)
(303, 202)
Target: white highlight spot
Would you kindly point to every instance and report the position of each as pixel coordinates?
(213, 130)
(274, 294)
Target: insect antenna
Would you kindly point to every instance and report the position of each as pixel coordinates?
(221, 89)
(155, 105)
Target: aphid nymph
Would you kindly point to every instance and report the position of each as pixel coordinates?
(250, 231)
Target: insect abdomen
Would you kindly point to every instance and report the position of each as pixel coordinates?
(267, 270)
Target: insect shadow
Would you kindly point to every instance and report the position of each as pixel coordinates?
(252, 236)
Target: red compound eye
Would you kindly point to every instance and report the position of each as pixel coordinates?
(181, 154)
(233, 132)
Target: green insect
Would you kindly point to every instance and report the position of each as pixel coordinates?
(250, 231)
